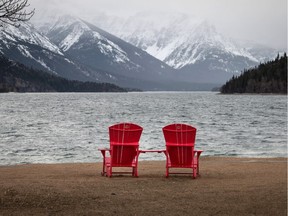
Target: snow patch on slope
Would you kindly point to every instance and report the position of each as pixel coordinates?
(111, 49)
(27, 33)
(25, 52)
(72, 38)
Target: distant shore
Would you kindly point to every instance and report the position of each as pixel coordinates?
(227, 186)
(280, 94)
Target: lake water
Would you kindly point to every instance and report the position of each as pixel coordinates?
(70, 127)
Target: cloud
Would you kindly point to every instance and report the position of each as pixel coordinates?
(264, 21)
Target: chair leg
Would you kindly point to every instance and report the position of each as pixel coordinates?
(109, 171)
(194, 173)
(135, 172)
(106, 171)
(103, 170)
(104, 167)
(167, 172)
(110, 174)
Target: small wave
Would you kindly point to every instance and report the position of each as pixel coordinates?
(255, 123)
(24, 150)
(69, 155)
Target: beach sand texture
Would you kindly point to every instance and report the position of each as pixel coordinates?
(227, 186)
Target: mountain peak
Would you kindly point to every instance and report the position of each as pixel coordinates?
(70, 28)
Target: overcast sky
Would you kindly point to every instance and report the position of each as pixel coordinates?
(263, 21)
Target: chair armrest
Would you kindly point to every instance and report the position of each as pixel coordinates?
(198, 152)
(103, 151)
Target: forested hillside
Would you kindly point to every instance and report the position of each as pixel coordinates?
(15, 77)
(269, 77)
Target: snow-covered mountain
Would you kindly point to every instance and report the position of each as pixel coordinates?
(188, 44)
(31, 48)
(75, 49)
(100, 50)
(175, 52)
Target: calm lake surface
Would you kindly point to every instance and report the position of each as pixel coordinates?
(70, 127)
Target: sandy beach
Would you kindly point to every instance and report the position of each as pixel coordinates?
(227, 186)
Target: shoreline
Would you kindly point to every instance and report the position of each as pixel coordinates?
(227, 186)
(148, 160)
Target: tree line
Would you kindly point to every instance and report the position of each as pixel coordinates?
(269, 77)
(16, 77)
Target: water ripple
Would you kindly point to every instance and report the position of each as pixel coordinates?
(70, 127)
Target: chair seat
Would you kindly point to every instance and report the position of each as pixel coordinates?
(108, 163)
(195, 164)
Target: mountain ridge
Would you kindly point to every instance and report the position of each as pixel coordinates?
(76, 49)
(72, 65)
(187, 44)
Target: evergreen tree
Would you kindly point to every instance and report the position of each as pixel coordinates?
(270, 77)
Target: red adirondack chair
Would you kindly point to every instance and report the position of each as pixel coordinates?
(124, 148)
(180, 152)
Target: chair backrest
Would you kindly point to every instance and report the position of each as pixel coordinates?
(124, 143)
(180, 141)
